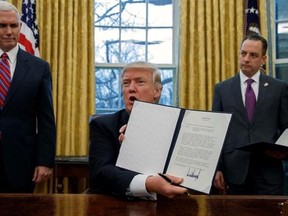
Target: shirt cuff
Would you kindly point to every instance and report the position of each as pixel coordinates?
(138, 189)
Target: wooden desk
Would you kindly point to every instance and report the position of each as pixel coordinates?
(72, 167)
(88, 204)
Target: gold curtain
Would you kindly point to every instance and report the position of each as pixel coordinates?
(210, 37)
(66, 29)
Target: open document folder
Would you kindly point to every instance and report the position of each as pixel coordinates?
(280, 145)
(179, 142)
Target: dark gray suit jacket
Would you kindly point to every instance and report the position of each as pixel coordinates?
(27, 120)
(269, 120)
(104, 176)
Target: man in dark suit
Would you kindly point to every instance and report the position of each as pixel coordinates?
(27, 125)
(259, 172)
(140, 81)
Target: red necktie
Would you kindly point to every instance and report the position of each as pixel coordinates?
(250, 99)
(5, 78)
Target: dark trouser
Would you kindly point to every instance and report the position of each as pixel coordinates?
(255, 184)
(6, 187)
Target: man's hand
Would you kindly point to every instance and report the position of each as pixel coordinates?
(122, 132)
(41, 174)
(160, 186)
(219, 181)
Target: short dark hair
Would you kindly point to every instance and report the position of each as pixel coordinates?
(257, 37)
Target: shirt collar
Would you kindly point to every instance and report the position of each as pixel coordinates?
(11, 53)
(256, 77)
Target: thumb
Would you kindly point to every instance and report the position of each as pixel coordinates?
(123, 128)
(35, 175)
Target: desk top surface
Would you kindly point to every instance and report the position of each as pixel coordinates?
(88, 204)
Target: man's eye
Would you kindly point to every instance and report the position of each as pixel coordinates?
(14, 25)
(125, 83)
(141, 81)
(254, 55)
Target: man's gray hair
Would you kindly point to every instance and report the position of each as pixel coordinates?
(7, 6)
(147, 66)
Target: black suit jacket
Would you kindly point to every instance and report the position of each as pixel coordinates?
(27, 120)
(104, 147)
(269, 120)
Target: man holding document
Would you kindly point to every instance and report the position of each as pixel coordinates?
(140, 81)
(259, 104)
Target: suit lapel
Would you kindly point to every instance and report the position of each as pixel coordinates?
(237, 95)
(263, 89)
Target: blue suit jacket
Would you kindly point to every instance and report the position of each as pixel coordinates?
(27, 120)
(269, 120)
(104, 147)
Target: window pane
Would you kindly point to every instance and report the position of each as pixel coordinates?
(108, 94)
(107, 48)
(282, 40)
(160, 46)
(167, 81)
(133, 45)
(107, 13)
(134, 13)
(281, 9)
(282, 72)
(156, 11)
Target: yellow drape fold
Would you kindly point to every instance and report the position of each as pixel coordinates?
(210, 37)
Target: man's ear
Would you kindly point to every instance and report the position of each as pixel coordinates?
(264, 58)
(157, 93)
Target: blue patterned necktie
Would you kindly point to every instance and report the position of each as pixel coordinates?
(5, 78)
(250, 99)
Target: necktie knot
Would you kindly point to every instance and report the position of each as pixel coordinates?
(4, 56)
(249, 82)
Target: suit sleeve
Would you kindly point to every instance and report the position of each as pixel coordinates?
(104, 147)
(217, 104)
(46, 137)
(284, 108)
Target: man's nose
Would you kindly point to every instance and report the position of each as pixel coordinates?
(132, 87)
(246, 58)
(8, 30)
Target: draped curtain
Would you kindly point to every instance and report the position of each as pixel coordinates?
(210, 37)
(67, 42)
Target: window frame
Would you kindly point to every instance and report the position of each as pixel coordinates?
(176, 4)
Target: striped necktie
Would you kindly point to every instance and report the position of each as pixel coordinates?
(5, 78)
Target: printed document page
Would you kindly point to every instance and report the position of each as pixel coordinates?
(198, 147)
(148, 137)
(283, 139)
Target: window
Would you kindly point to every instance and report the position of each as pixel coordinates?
(133, 30)
(281, 39)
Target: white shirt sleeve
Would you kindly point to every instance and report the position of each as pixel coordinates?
(138, 189)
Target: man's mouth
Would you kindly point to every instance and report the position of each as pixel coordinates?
(132, 99)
